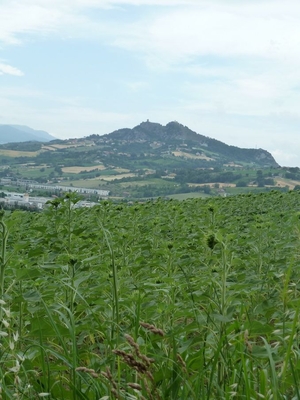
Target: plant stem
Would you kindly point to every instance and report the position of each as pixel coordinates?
(3, 261)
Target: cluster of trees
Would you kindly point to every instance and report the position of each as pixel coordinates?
(165, 190)
(293, 173)
(205, 176)
(218, 175)
(22, 146)
(262, 180)
(4, 172)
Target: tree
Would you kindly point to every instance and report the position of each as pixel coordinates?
(58, 170)
(241, 183)
(206, 189)
(260, 178)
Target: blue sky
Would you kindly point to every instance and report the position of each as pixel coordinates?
(228, 69)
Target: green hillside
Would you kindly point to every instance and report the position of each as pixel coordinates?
(149, 160)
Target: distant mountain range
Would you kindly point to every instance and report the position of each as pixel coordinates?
(22, 133)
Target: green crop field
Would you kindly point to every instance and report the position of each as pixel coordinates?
(185, 196)
(191, 300)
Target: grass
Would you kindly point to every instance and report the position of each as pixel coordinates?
(185, 196)
(117, 177)
(152, 181)
(77, 170)
(33, 173)
(3, 260)
(84, 183)
(15, 153)
(194, 299)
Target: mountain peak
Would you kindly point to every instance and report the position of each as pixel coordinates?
(175, 135)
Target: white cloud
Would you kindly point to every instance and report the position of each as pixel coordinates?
(48, 17)
(9, 70)
(26, 17)
(264, 94)
(268, 30)
(187, 29)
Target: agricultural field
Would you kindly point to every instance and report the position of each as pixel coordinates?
(117, 177)
(16, 153)
(194, 299)
(77, 170)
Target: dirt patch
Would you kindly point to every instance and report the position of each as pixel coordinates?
(190, 155)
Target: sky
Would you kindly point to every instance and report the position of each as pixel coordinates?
(227, 69)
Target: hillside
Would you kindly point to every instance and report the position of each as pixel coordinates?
(176, 137)
(149, 160)
(21, 133)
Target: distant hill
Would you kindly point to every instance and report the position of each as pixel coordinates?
(21, 133)
(175, 136)
(147, 145)
(147, 161)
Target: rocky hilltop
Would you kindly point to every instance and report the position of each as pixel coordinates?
(175, 136)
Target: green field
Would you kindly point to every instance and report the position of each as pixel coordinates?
(152, 181)
(189, 300)
(185, 196)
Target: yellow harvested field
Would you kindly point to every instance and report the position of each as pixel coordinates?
(15, 153)
(54, 147)
(120, 176)
(189, 155)
(286, 182)
(63, 146)
(77, 170)
(60, 146)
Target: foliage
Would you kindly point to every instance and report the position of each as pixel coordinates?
(160, 300)
(22, 146)
(241, 183)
